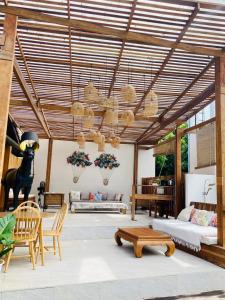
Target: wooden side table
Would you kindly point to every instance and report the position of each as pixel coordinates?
(53, 199)
(142, 236)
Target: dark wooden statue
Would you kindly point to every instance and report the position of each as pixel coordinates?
(20, 178)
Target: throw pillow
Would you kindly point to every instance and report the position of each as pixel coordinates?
(91, 196)
(118, 197)
(104, 196)
(201, 217)
(98, 197)
(213, 221)
(75, 195)
(185, 214)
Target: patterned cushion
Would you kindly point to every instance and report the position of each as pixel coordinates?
(213, 221)
(91, 196)
(98, 197)
(104, 196)
(75, 195)
(185, 214)
(84, 196)
(201, 217)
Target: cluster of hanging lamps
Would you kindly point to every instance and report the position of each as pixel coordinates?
(115, 142)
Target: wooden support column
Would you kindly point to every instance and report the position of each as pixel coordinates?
(178, 173)
(49, 165)
(220, 147)
(135, 169)
(6, 73)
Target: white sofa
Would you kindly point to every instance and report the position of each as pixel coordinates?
(186, 233)
(108, 203)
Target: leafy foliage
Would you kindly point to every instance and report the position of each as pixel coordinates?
(106, 161)
(7, 225)
(78, 159)
(166, 163)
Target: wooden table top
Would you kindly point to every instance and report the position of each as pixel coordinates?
(44, 214)
(144, 233)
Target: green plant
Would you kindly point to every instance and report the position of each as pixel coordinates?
(166, 163)
(7, 225)
(107, 161)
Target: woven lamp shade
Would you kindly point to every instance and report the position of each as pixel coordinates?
(92, 134)
(77, 109)
(89, 118)
(115, 143)
(128, 93)
(91, 93)
(151, 104)
(98, 137)
(101, 145)
(128, 117)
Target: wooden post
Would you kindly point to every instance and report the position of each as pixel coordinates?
(5, 168)
(178, 173)
(6, 73)
(135, 169)
(220, 147)
(49, 165)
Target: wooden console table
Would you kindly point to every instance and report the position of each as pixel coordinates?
(142, 236)
(149, 197)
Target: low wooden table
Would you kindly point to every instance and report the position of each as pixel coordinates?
(142, 236)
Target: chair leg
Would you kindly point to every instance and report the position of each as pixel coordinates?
(32, 254)
(37, 253)
(54, 245)
(59, 247)
(8, 257)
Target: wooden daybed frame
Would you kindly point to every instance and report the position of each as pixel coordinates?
(211, 253)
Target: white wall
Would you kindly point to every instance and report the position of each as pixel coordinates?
(90, 180)
(146, 164)
(194, 188)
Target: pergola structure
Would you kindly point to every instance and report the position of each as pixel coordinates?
(50, 50)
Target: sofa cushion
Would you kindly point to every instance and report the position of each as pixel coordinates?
(98, 197)
(201, 217)
(75, 195)
(118, 197)
(84, 196)
(91, 196)
(104, 196)
(213, 221)
(111, 197)
(185, 214)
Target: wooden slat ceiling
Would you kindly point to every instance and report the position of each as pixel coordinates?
(55, 59)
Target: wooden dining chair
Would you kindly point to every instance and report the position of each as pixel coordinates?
(55, 231)
(30, 204)
(25, 232)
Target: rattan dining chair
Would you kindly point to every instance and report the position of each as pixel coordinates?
(55, 231)
(30, 204)
(25, 232)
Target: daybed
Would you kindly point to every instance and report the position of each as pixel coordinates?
(112, 202)
(188, 234)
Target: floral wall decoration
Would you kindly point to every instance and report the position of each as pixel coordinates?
(106, 163)
(79, 161)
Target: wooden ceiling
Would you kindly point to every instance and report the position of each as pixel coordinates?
(62, 44)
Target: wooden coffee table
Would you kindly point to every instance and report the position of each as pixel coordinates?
(142, 236)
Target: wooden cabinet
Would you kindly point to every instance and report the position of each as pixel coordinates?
(53, 199)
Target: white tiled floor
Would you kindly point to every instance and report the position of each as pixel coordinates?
(94, 267)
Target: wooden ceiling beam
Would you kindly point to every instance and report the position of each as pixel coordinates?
(25, 88)
(166, 60)
(197, 100)
(108, 31)
(160, 119)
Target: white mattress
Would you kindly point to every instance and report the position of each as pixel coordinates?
(186, 233)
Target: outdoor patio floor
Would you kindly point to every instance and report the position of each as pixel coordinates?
(94, 267)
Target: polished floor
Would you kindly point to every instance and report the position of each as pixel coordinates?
(94, 267)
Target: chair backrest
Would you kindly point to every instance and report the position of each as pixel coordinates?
(27, 223)
(59, 218)
(30, 204)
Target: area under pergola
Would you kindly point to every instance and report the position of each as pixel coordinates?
(61, 45)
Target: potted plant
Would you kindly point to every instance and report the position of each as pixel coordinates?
(7, 225)
(106, 163)
(79, 161)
